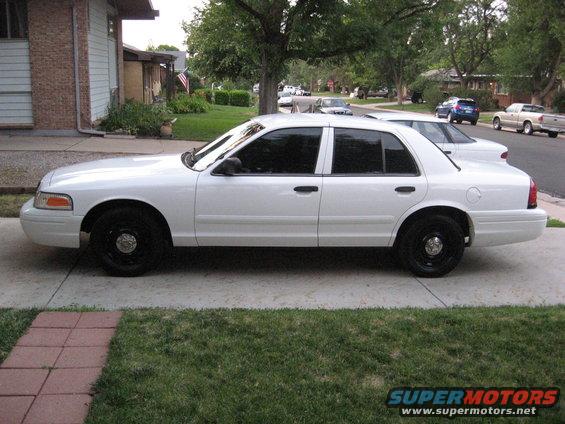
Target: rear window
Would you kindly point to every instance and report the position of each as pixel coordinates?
(467, 102)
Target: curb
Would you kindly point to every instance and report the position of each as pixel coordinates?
(17, 190)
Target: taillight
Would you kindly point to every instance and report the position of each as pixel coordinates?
(533, 196)
(477, 110)
(504, 155)
(540, 118)
(457, 107)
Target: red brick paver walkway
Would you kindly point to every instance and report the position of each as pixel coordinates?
(48, 376)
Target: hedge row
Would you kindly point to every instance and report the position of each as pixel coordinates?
(225, 97)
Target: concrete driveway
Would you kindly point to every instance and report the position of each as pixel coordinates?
(530, 273)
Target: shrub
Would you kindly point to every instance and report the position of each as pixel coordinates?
(188, 104)
(433, 95)
(135, 118)
(240, 98)
(559, 102)
(222, 97)
(206, 94)
(484, 98)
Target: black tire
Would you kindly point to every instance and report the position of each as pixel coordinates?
(459, 121)
(552, 134)
(437, 113)
(414, 246)
(473, 122)
(519, 130)
(450, 118)
(528, 128)
(496, 124)
(141, 232)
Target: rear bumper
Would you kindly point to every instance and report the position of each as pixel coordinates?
(494, 228)
(549, 128)
(465, 116)
(50, 228)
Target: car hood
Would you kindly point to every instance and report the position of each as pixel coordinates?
(336, 110)
(110, 171)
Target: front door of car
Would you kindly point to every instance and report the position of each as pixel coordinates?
(508, 117)
(433, 132)
(272, 199)
(370, 181)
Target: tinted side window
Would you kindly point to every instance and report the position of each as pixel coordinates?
(397, 159)
(370, 152)
(286, 151)
(430, 130)
(357, 152)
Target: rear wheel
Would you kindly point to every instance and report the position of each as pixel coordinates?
(552, 134)
(432, 246)
(473, 122)
(459, 121)
(496, 124)
(519, 130)
(528, 128)
(128, 241)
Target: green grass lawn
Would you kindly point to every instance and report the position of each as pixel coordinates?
(208, 126)
(486, 117)
(410, 107)
(300, 366)
(10, 204)
(13, 324)
(327, 94)
(553, 222)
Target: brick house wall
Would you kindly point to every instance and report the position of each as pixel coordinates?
(52, 68)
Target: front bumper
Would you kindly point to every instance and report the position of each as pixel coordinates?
(50, 228)
(494, 228)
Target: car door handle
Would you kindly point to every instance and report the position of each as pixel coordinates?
(447, 152)
(405, 189)
(305, 189)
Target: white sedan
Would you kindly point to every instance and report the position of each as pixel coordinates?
(279, 180)
(285, 99)
(448, 137)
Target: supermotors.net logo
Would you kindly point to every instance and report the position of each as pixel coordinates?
(471, 401)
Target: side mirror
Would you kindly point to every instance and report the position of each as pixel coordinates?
(229, 167)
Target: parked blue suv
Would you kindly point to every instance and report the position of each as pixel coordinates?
(459, 110)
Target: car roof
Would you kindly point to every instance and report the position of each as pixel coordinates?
(398, 116)
(283, 119)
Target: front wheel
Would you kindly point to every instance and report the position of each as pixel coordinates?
(432, 246)
(528, 128)
(552, 134)
(450, 118)
(128, 241)
(496, 124)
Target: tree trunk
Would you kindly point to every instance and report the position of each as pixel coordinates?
(399, 91)
(465, 83)
(268, 86)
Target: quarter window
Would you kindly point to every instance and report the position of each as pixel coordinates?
(285, 151)
(370, 152)
(13, 19)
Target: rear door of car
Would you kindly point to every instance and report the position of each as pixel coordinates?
(370, 180)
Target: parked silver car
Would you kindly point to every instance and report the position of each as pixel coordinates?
(527, 119)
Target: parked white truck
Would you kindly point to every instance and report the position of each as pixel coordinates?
(527, 119)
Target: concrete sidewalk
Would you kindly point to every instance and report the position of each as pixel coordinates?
(530, 273)
(97, 144)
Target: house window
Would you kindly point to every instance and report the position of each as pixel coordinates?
(111, 26)
(500, 89)
(13, 19)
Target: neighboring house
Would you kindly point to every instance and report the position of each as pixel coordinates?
(61, 61)
(143, 79)
(180, 58)
(448, 79)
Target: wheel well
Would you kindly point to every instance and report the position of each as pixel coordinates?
(457, 214)
(524, 123)
(97, 211)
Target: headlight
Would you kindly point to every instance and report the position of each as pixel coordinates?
(55, 201)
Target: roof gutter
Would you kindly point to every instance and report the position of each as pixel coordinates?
(77, 79)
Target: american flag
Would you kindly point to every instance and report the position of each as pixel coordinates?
(184, 80)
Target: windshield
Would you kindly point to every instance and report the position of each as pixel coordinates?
(533, 108)
(211, 152)
(333, 103)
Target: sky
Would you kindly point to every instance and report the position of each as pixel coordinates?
(165, 29)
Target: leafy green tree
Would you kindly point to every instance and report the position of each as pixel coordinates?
(531, 59)
(231, 38)
(166, 48)
(471, 34)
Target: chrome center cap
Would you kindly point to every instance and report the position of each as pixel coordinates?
(126, 243)
(434, 246)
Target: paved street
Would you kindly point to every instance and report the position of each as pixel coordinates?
(530, 273)
(538, 155)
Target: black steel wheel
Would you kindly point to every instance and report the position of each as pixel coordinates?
(432, 246)
(128, 241)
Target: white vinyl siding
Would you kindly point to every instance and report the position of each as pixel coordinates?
(15, 83)
(102, 59)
